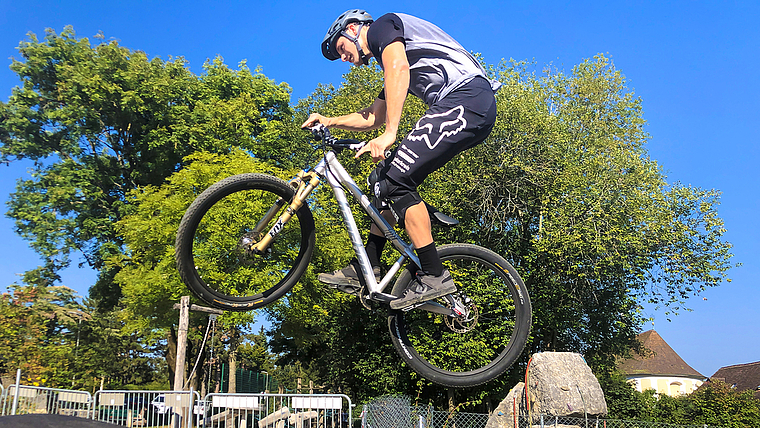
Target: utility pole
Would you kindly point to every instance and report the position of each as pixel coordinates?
(184, 320)
(185, 307)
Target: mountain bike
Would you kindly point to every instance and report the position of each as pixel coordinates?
(247, 240)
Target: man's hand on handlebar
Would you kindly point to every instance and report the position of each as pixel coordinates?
(314, 119)
(377, 147)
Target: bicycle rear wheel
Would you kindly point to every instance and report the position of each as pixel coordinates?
(212, 248)
(482, 344)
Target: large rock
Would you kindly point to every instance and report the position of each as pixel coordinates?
(504, 415)
(562, 384)
(559, 384)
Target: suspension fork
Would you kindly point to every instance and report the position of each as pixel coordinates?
(305, 182)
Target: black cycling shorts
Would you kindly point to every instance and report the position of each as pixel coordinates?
(461, 120)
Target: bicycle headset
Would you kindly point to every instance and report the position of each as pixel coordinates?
(338, 28)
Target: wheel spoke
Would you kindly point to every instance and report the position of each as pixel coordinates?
(481, 344)
(215, 253)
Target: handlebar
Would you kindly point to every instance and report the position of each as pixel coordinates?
(322, 133)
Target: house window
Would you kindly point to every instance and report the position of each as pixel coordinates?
(675, 389)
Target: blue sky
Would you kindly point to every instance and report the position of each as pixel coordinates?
(693, 63)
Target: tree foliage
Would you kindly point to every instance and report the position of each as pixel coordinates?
(58, 342)
(100, 120)
(563, 188)
(714, 403)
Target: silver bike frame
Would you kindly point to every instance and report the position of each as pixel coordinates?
(338, 178)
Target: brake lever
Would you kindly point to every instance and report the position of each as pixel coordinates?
(319, 131)
(357, 146)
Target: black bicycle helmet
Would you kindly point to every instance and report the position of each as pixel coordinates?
(338, 28)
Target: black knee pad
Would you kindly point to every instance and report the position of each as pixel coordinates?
(389, 194)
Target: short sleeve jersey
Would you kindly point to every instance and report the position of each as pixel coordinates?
(438, 64)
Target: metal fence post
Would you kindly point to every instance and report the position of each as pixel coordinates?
(15, 397)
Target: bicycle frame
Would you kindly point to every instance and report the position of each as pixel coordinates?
(332, 170)
(338, 179)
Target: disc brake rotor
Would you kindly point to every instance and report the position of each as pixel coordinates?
(464, 322)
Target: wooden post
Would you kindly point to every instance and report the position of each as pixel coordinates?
(179, 366)
(185, 307)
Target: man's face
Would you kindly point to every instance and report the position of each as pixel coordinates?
(347, 49)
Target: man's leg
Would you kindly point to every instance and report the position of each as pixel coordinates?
(434, 281)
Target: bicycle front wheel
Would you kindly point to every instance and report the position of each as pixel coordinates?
(481, 344)
(213, 245)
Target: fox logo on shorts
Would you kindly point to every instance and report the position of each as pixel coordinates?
(438, 126)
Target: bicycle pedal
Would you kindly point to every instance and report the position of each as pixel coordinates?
(348, 289)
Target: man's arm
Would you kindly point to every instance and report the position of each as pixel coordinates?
(396, 76)
(367, 119)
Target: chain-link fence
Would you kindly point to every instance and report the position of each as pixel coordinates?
(397, 412)
(560, 421)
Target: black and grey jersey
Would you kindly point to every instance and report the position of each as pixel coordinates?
(438, 64)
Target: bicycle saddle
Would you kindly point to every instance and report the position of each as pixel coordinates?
(438, 218)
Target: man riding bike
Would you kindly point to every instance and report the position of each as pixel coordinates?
(418, 58)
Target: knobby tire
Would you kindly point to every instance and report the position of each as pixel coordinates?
(490, 346)
(209, 251)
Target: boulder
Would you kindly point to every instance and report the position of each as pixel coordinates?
(562, 384)
(559, 384)
(504, 414)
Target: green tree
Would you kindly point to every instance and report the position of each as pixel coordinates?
(35, 335)
(717, 403)
(565, 190)
(56, 341)
(99, 120)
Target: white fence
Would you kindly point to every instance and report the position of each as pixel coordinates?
(35, 399)
(279, 410)
(183, 408)
(149, 408)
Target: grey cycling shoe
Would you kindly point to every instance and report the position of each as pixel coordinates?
(347, 276)
(424, 288)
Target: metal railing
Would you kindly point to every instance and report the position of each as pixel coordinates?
(149, 408)
(183, 408)
(278, 410)
(37, 399)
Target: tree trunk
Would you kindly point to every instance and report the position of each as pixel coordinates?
(233, 369)
(171, 352)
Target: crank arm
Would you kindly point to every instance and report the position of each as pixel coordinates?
(431, 307)
(455, 308)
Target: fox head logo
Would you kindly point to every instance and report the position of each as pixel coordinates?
(432, 128)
